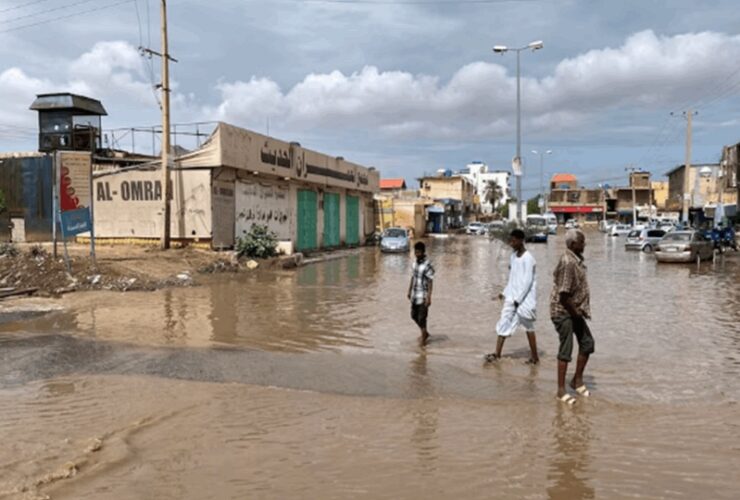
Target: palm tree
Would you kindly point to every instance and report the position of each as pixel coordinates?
(493, 193)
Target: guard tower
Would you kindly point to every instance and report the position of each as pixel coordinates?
(68, 122)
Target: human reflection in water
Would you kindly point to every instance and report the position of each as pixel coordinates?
(425, 412)
(568, 472)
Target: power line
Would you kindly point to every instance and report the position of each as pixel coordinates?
(22, 6)
(36, 14)
(47, 21)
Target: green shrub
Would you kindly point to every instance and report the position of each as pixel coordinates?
(3, 206)
(259, 243)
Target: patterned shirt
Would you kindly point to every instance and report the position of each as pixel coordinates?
(570, 277)
(421, 277)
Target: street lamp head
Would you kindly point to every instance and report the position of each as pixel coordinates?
(500, 49)
(536, 45)
(535, 152)
(548, 152)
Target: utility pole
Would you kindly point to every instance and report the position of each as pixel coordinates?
(166, 147)
(634, 197)
(165, 241)
(687, 167)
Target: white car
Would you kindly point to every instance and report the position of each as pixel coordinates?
(620, 230)
(571, 224)
(476, 228)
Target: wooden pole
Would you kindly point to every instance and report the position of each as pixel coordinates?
(165, 241)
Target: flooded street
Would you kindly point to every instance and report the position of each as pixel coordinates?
(311, 383)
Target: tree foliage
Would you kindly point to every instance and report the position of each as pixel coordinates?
(493, 194)
(259, 243)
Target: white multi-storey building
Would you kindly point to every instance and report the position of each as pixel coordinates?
(477, 172)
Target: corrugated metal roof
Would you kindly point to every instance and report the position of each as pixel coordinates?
(66, 101)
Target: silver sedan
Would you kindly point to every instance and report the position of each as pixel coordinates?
(684, 246)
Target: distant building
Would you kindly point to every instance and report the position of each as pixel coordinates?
(660, 194)
(392, 186)
(709, 184)
(563, 181)
(455, 194)
(479, 174)
(643, 197)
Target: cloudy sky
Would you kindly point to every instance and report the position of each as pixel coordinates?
(409, 86)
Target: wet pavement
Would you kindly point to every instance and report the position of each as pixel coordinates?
(312, 383)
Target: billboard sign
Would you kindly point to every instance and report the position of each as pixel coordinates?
(75, 175)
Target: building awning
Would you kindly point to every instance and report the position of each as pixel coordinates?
(575, 210)
(436, 209)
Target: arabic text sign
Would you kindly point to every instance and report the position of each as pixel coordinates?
(75, 171)
(76, 221)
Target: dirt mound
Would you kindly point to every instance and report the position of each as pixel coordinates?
(36, 268)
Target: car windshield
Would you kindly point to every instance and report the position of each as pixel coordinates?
(475, 224)
(677, 237)
(394, 233)
(655, 234)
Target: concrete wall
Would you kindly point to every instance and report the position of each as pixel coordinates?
(266, 203)
(129, 205)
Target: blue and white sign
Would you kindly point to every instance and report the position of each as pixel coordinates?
(76, 221)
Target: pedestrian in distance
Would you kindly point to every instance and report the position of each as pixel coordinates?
(570, 307)
(519, 298)
(420, 290)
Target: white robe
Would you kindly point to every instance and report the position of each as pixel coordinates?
(522, 288)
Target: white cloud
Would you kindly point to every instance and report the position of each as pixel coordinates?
(478, 101)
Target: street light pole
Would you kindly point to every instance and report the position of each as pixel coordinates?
(542, 154)
(517, 164)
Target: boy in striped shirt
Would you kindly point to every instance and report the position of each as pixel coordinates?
(420, 290)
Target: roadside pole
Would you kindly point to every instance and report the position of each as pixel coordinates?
(165, 243)
(55, 209)
(687, 167)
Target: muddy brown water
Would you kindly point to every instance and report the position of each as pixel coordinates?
(310, 384)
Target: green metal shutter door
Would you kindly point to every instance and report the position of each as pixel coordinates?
(307, 219)
(331, 220)
(353, 220)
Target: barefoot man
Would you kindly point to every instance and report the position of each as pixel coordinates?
(569, 310)
(520, 299)
(420, 290)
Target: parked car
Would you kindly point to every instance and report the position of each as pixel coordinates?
(644, 239)
(684, 246)
(605, 226)
(475, 228)
(571, 224)
(537, 229)
(395, 239)
(620, 230)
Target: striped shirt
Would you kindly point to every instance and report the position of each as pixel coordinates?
(570, 277)
(422, 275)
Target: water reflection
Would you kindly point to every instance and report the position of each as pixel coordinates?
(425, 415)
(569, 470)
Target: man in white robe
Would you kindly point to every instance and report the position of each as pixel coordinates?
(519, 297)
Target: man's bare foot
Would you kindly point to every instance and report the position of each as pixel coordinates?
(490, 358)
(424, 339)
(533, 361)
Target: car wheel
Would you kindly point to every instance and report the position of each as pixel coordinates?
(647, 248)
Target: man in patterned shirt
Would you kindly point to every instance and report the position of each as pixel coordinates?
(569, 309)
(420, 290)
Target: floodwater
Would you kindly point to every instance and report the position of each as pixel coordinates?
(311, 384)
